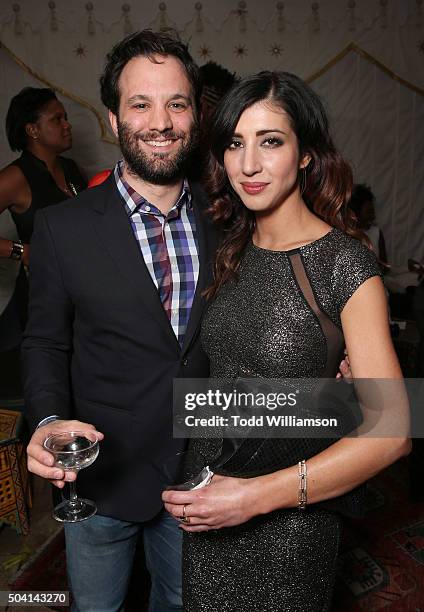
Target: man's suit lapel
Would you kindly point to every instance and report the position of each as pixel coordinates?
(207, 246)
(114, 230)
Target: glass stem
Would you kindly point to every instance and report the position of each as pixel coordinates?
(73, 497)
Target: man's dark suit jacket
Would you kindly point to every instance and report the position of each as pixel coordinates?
(99, 346)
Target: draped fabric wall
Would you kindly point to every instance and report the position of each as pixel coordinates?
(365, 58)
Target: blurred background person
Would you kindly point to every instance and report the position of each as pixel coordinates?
(36, 125)
(362, 203)
(216, 81)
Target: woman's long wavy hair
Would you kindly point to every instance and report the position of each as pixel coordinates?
(328, 180)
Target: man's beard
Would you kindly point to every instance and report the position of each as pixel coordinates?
(157, 168)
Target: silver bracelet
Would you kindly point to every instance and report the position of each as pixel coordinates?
(17, 250)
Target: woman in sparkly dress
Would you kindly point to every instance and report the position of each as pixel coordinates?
(293, 285)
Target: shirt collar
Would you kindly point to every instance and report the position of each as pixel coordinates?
(136, 202)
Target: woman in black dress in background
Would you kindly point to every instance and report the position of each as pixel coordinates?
(36, 125)
(292, 286)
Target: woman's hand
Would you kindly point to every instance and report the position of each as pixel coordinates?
(225, 502)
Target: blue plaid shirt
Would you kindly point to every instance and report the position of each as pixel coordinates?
(168, 244)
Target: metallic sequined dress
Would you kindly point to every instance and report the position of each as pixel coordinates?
(281, 319)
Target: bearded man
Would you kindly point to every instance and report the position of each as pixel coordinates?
(115, 304)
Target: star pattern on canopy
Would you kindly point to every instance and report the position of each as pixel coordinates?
(80, 50)
(240, 51)
(205, 52)
(276, 50)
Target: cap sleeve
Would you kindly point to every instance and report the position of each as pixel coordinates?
(355, 264)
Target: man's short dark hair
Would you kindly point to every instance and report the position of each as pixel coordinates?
(145, 43)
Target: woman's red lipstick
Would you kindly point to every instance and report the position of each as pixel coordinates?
(253, 188)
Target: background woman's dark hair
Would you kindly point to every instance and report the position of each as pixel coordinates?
(328, 175)
(145, 43)
(25, 108)
(361, 193)
(216, 80)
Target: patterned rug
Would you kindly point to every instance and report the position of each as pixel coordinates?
(382, 557)
(381, 562)
(46, 570)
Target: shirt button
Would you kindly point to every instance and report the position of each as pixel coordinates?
(147, 208)
(175, 312)
(174, 267)
(185, 362)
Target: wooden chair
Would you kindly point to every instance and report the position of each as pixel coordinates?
(15, 490)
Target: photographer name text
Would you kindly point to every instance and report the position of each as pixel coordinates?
(286, 420)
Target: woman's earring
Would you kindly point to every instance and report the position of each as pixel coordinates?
(302, 180)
